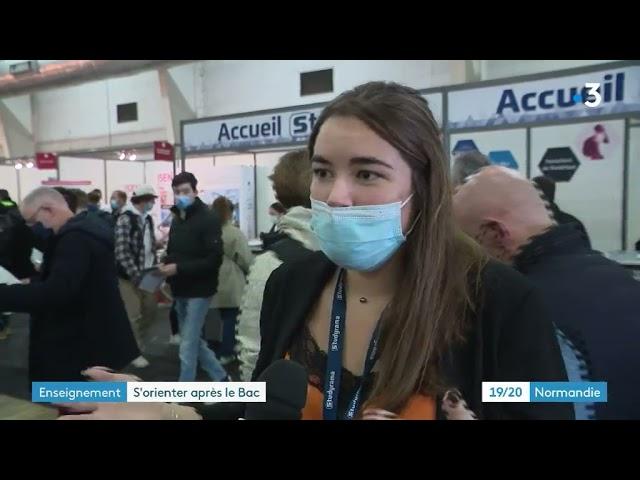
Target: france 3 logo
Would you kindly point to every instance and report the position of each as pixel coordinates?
(593, 95)
(301, 124)
(611, 90)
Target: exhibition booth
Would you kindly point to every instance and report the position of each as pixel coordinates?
(122, 168)
(579, 126)
(551, 123)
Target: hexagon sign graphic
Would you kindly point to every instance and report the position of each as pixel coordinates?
(504, 158)
(559, 163)
(464, 146)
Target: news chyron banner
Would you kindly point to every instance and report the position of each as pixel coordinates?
(118, 392)
(256, 392)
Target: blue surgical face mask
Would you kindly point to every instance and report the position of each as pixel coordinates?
(359, 238)
(183, 201)
(114, 205)
(148, 207)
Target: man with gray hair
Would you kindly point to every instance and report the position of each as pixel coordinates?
(467, 164)
(78, 318)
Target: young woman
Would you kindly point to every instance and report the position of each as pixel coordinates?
(399, 315)
(395, 276)
(236, 261)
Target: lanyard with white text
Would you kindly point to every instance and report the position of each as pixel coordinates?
(334, 357)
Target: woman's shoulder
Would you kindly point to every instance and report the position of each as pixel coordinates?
(311, 267)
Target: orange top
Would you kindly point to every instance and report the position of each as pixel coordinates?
(419, 407)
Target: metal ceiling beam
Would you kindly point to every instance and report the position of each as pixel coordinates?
(71, 72)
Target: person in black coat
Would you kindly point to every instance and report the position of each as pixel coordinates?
(194, 256)
(594, 302)
(15, 255)
(16, 243)
(78, 318)
(548, 188)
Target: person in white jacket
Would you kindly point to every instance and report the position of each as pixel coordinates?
(236, 261)
(291, 180)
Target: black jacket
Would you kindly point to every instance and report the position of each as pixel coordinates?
(16, 255)
(563, 218)
(78, 318)
(195, 246)
(103, 215)
(511, 340)
(596, 303)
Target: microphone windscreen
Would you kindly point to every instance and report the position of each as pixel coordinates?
(286, 385)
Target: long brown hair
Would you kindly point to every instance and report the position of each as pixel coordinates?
(440, 281)
(223, 208)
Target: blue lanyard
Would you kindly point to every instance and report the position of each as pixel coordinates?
(334, 357)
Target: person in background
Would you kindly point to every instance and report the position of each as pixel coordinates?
(70, 197)
(95, 198)
(400, 316)
(192, 264)
(82, 200)
(135, 250)
(236, 261)
(94, 201)
(291, 179)
(163, 229)
(593, 301)
(16, 243)
(118, 203)
(77, 316)
(547, 186)
(467, 164)
(276, 211)
(174, 339)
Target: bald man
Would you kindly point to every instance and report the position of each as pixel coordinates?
(594, 302)
(78, 318)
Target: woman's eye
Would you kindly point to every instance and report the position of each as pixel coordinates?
(321, 173)
(368, 175)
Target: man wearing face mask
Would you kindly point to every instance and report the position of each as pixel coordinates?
(77, 316)
(194, 256)
(118, 203)
(136, 251)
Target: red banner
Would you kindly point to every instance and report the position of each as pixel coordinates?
(163, 151)
(46, 161)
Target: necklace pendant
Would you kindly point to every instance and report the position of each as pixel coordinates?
(363, 300)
